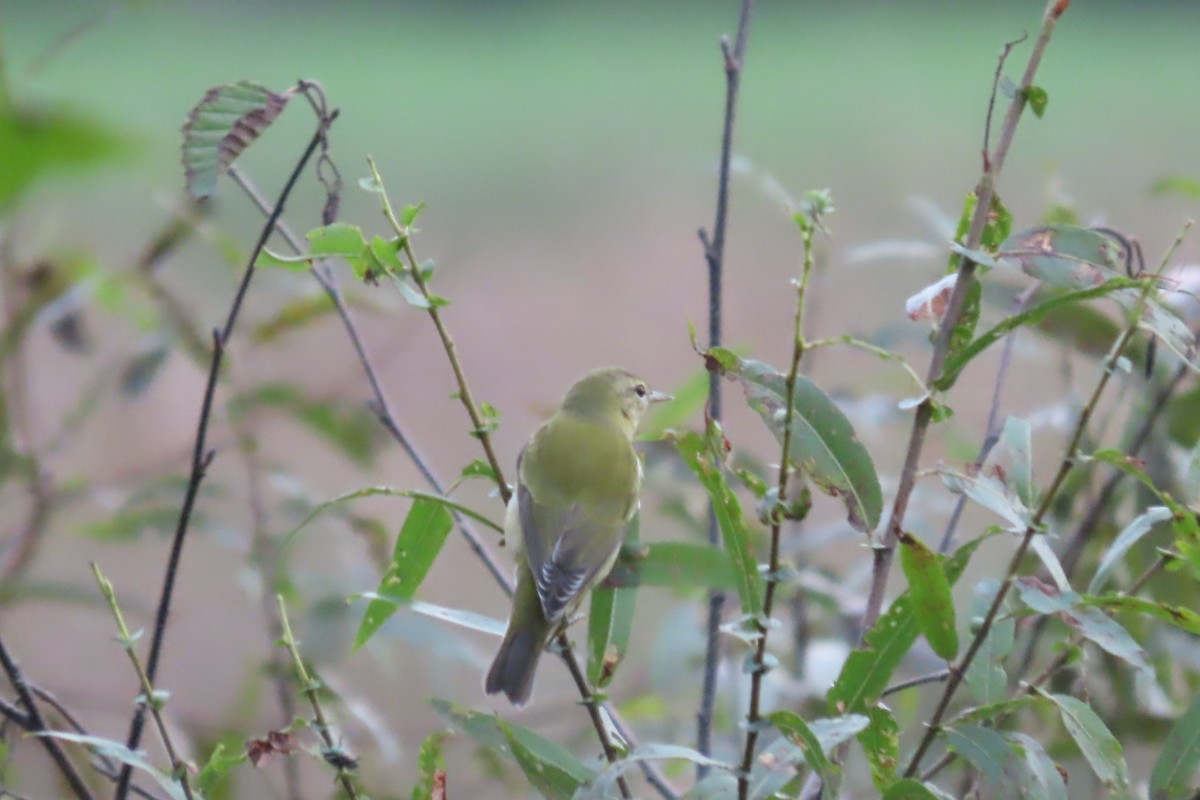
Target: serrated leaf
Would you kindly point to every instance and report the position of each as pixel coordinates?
(420, 540)
(226, 121)
(929, 590)
(1173, 776)
(867, 670)
(1133, 532)
(1101, 749)
(697, 454)
(823, 444)
(610, 621)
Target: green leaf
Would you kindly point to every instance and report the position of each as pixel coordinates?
(823, 444)
(1034, 316)
(697, 453)
(880, 742)
(268, 258)
(420, 540)
(226, 121)
(294, 315)
(774, 767)
(553, 766)
(909, 789)
(987, 751)
(1181, 617)
(352, 430)
(216, 768)
(796, 731)
(985, 675)
(1017, 438)
(1175, 768)
(1037, 98)
(1101, 749)
(1065, 255)
(119, 752)
(929, 591)
(1092, 623)
(605, 782)
(37, 142)
(455, 616)
(989, 490)
(868, 669)
(338, 239)
(431, 767)
(964, 327)
(673, 564)
(1040, 778)
(610, 622)
(1133, 532)
(1177, 184)
(409, 214)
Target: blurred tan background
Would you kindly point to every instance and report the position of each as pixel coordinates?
(567, 155)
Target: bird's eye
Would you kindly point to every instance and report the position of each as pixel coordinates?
(640, 389)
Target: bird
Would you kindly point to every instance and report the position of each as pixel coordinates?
(577, 487)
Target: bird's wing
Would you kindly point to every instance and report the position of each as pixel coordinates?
(565, 550)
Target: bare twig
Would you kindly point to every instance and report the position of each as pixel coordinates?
(984, 192)
(714, 256)
(36, 725)
(201, 455)
(149, 696)
(333, 753)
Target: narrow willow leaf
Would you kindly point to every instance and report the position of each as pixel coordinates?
(1101, 749)
(542, 767)
(431, 766)
(991, 711)
(1133, 532)
(455, 616)
(1177, 184)
(486, 729)
(1175, 768)
(697, 454)
(1065, 255)
(990, 491)
(868, 669)
(226, 121)
(774, 767)
(603, 785)
(1017, 437)
(987, 751)
(673, 564)
(420, 540)
(610, 622)
(823, 444)
(1093, 624)
(1040, 777)
(880, 742)
(1181, 617)
(985, 675)
(796, 731)
(1034, 316)
(910, 789)
(1049, 558)
(107, 748)
(930, 593)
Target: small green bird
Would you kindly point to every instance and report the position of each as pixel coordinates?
(577, 488)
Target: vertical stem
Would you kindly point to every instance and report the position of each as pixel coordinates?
(714, 255)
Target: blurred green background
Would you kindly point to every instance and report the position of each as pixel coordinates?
(567, 154)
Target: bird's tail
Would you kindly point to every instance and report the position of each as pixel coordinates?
(515, 664)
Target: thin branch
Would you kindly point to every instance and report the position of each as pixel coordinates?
(201, 456)
(149, 696)
(593, 708)
(1068, 462)
(714, 256)
(37, 725)
(334, 755)
(984, 192)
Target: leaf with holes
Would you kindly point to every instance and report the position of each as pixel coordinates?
(822, 444)
(226, 121)
(1065, 255)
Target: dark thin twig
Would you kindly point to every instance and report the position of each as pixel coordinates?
(984, 192)
(37, 725)
(201, 456)
(920, 680)
(714, 256)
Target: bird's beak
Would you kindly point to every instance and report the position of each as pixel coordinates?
(660, 397)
